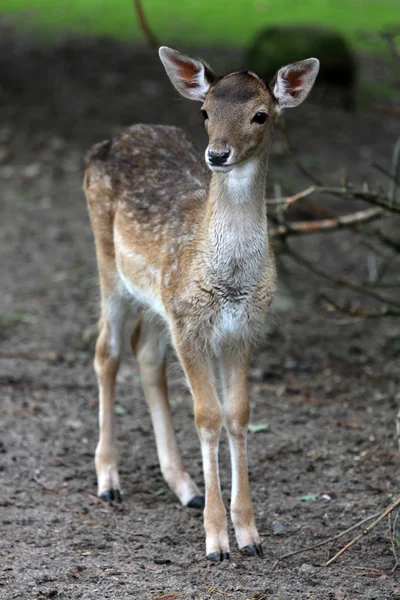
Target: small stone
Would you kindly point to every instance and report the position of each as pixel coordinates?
(31, 171)
(306, 568)
(326, 497)
(278, 528)
(45, 202)
(74, 423)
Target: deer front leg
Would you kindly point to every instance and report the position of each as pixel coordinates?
(208, 419)
(236, 410)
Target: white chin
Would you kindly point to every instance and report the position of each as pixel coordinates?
(220, 169)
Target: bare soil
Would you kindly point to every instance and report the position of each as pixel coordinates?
(326, 387)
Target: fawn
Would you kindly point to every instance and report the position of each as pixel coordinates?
(192, 251)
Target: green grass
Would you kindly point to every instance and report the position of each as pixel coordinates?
(199, 21)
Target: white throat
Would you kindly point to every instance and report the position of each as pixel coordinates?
(238, 227)
(246, 182)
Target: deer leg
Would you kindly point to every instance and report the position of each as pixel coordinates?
(149, 347)
(208, 419)
(107, 358)
(233, 368)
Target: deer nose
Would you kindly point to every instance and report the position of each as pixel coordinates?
(217, 159)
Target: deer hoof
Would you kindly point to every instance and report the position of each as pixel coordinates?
(111, 496)
(217, 557)
(198, 503)
(253, 550)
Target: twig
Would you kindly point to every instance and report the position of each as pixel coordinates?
(340, 281)
(50, 355)
(395, 171)
(47, 490)
(148, 34)
(169, 596)
(385, 283)
(382, 270)
(353, 312)
(395, 523)
(373, 197)
(298, 196)
(316, 226)
(387, 240)
(382, 170)
(398, 428)
(275, 201)
(327, 541)
(319, 209)
(366, 241)
(381, 108)
(365, 532)
(392, 543)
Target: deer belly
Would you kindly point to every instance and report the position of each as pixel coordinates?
(142, 288)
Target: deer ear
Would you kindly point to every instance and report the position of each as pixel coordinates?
(190, 76)
(292, 84)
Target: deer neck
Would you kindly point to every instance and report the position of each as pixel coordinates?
(236, 224)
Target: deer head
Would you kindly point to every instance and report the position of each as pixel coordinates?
(239, 109)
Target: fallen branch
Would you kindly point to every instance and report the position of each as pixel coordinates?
(169, 596)
(324, 542)
(299, 196)
(316, 226)
(373, 197)
(362, 313)
(340, 281)
(365, 532)
(392, 534)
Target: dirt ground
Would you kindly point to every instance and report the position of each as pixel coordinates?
(325, 387)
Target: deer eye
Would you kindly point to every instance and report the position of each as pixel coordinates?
(260, 118)
(204, 113)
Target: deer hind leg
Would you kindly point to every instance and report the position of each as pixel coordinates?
(107, 358)
(233, 370)
(149, 347)
(208, 419)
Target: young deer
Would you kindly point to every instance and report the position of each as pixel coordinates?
(193, 252)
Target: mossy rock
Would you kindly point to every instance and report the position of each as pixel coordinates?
(281, 45)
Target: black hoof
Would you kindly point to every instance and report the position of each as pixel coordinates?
(117, 496)
(253, 550)
(111, 496)
(214, 557)
(198, 503)
(218, 557)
